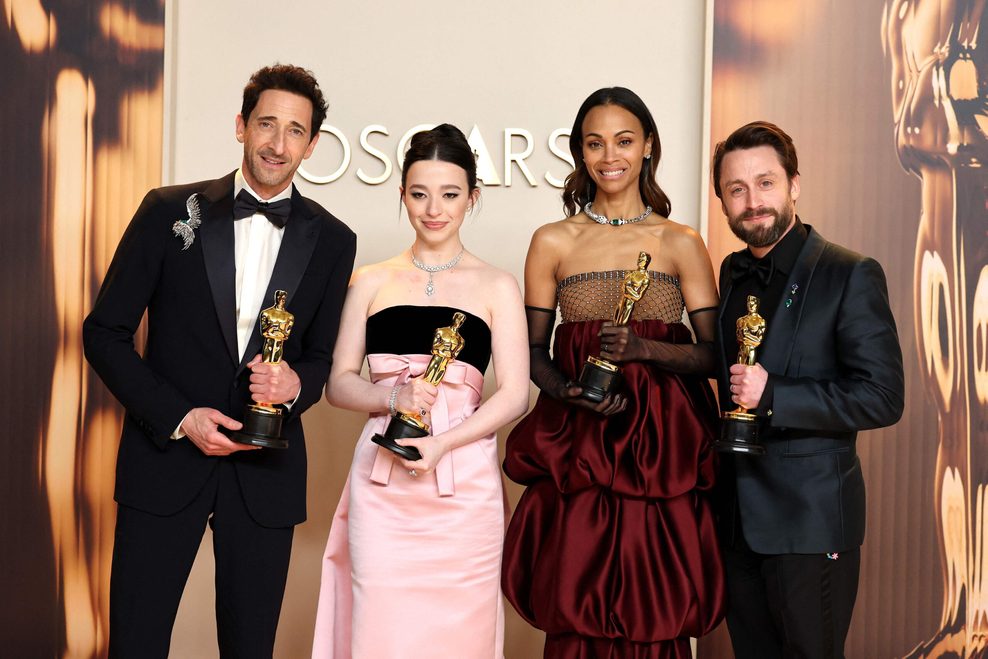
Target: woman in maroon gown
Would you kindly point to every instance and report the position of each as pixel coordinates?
(612, 549)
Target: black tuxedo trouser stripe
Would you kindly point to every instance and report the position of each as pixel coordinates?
(790, 606)
(152, 558)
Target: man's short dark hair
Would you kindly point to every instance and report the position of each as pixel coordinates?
(757, 133)
(287, 78)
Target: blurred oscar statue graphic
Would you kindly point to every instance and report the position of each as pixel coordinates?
(939, 105)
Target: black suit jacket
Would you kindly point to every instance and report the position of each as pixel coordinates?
(190, 359)
(834, 359)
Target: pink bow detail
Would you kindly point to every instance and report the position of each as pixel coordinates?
(459, 394)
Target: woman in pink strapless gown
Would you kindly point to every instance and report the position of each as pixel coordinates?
(413, 562)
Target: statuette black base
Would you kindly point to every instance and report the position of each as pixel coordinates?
(261, 428)
(401, 427)
(598, 379)
(739, 434)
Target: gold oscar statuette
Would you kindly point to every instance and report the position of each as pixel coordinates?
(739, 427)
(599, 376)
(262, 421)
(446, 345)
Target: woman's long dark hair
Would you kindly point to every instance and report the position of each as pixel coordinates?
(580, 188)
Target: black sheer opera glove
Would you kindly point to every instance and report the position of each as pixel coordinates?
(547, 377)
(618, 343)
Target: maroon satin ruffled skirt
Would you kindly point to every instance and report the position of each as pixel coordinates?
(612, 550)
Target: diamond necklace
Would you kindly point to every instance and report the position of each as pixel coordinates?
(433, 269)
(616, 222)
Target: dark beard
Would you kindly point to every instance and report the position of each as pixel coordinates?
(762, 236)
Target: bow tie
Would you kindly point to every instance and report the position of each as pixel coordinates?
(744, 264)
(277, 212)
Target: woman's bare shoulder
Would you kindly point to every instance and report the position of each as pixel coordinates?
(678, 235)
(488, 276)
(558, 230)
(556, 237)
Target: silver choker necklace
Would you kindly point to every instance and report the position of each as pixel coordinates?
(433, 269)
(617, 221)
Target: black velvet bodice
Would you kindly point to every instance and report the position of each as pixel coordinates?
(408, 330)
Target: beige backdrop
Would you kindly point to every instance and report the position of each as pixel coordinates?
(510, 65)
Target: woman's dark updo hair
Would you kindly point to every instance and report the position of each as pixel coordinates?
(446, 143)
(580, 188)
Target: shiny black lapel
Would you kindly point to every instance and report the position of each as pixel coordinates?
(216, 238)
(774, 354)
(726, 285)
(297, 245)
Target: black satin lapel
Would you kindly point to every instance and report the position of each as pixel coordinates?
(726, 284)
(216, 236)
(775, 353)
(297, 245)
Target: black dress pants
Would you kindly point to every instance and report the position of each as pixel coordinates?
(152, 558)
(791, 606)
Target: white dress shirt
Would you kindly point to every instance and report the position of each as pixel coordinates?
(256, 242)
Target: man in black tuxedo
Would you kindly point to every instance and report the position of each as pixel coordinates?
(203, 286)
(793, 519)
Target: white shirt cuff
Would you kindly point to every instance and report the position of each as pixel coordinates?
(178, 434)
(287, 405)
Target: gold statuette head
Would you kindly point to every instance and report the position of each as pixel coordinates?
(276, 324)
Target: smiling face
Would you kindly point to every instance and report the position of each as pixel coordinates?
(276, 140)
(614, 148)
(757, 197)
(437, 197)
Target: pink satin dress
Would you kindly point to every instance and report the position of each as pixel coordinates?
(412, 565)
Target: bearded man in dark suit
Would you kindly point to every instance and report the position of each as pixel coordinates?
(793, 519)
(203, 259)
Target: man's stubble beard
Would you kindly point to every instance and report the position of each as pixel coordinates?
(763, 236)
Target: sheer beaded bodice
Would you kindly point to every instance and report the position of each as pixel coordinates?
(595, 295)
